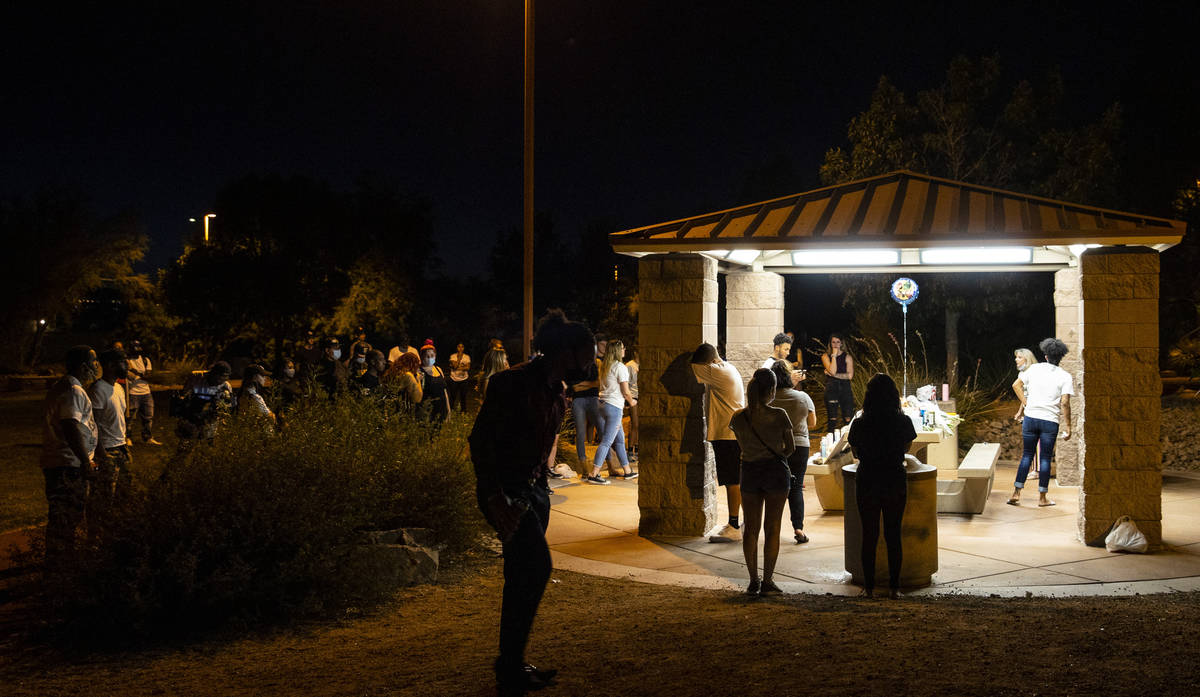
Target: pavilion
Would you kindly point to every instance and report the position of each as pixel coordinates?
(1105, 266)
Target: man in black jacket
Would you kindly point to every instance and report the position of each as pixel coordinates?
(510, 445)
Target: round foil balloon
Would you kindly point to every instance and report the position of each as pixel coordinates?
(905, 290)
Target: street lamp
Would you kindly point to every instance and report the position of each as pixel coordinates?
(527, 339)
(207, 216)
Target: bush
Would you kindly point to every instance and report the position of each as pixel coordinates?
(257, 526)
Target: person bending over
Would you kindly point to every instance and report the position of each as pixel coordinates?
(725, 396)
(510, 445)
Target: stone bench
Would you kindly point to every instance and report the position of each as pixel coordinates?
(968, 493)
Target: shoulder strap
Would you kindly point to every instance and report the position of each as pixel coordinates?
(760, 438)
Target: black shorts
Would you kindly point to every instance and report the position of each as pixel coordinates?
(728, 455)
(770, 476)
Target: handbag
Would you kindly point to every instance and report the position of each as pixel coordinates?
(1125, 537)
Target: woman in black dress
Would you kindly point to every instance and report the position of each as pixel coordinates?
(879, 439)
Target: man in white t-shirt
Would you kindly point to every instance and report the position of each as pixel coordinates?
(141, 401)
(68, 444)
(109, 404)
(1045, 390)
(782, 347)
(725, 395)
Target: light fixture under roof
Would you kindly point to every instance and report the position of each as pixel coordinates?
(743, 256)
(845, 257)
(1077, 249)
(977, 255)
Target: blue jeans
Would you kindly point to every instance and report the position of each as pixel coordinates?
(1035, 432)
(612, 436)
(584, 409)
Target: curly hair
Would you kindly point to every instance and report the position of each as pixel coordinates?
(1053, 349)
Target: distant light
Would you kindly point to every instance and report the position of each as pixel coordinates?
(846, 257)
(191, 220)
(978, 255)
(41, 321)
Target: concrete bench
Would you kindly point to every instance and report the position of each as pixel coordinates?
(968, 493)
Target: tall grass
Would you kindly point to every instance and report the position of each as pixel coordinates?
(977, 395)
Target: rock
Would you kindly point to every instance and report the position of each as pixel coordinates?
(401, 557)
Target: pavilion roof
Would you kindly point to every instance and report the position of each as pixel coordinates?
(901, 209)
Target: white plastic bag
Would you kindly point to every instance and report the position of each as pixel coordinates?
(1125, 537)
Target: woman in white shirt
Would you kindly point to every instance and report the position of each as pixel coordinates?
(614, 393)
(1045, 392)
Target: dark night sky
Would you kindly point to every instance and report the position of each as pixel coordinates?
(645, 111)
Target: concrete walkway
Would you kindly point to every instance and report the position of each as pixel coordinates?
(1006, 551)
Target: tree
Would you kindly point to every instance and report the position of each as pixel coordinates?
(291, 254)
(970, 129)
(60, 253)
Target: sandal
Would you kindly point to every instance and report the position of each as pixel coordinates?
(1013, 502)
(1048, 503)
(801, 538)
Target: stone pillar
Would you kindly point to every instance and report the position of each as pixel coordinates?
(753, 316)
(1068, 317)
(1122, 456)
(677, 311)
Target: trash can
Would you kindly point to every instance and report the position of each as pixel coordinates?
(918, 532)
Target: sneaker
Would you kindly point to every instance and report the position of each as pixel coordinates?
(753, 588)
(152, 441)
(555, 475)
(728, 533)
(595, 479)
(631, 475)
(769, 588)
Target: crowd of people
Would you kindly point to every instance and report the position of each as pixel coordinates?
(92, 414)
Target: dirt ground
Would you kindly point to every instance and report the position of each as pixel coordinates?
(612, 637)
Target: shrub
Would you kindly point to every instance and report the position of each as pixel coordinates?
(259, 526)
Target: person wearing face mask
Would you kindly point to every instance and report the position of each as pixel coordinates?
(141, 401)
(330, 373)
(69, 436)
(112, 456)
(360, 339)
(250, 401)
(357, 364)
(287, 386)
(368, 382)
(206, 397)
(435, 402)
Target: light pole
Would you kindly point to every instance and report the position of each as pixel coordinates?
(527, 339)
(207, 216)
